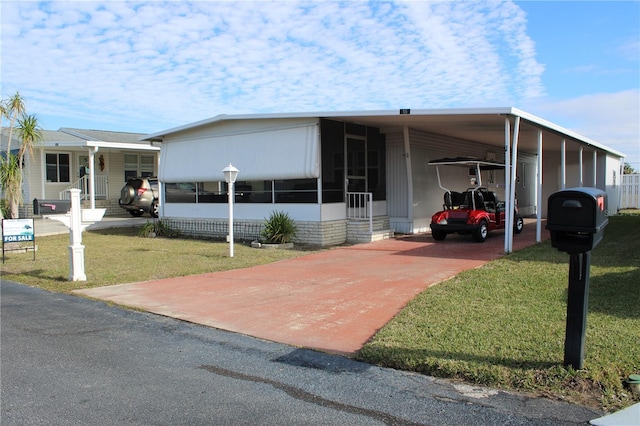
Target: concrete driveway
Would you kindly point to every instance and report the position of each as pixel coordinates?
(333, 301)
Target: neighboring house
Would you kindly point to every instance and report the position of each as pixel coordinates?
(95, 161)
(322, 168)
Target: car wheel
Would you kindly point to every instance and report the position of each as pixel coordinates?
(136, 213)
(480, 234)
(519, 225)
(438, 235)
(154, 210)
(126, 194)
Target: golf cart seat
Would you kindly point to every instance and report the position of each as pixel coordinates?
(479, 200)
(453, 199)
(490, 200)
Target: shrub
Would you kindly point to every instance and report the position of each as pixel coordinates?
(279, 228)
(158, 227)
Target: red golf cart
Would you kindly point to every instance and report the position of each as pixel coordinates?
(475, 211)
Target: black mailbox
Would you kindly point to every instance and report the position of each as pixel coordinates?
(576, 219)
(41, 207)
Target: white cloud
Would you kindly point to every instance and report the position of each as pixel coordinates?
(609, 118)
(153, 65)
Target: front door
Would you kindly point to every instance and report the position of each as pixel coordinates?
(356, 164)
(83, 170)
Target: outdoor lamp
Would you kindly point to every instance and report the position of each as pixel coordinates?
(230, 174)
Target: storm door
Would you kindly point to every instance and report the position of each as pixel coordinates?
(356, 163)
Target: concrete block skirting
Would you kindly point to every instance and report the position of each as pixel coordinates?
(313, 233)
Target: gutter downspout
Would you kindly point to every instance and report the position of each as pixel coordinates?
(407, 159)
(539, 191)
(507, 179)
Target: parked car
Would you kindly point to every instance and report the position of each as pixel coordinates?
(475, 211)
(140, 195)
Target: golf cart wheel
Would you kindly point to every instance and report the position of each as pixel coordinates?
(438, 235)
(480, 234)
(518, 225)
(136, 213)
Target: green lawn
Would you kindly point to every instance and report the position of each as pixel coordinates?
(501, 325)
(112, 259)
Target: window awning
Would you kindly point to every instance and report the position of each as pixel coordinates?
(272, 154)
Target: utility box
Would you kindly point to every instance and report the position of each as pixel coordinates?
(41, 207)
(576, 219)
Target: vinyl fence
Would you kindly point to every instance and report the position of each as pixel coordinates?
(630, 191)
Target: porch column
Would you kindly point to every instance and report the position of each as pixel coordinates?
(563, 164)
(580, 166)
(92, 176)
(507, 179)
(407, 157)
(539, 191)
(512, 196)
(595, 168)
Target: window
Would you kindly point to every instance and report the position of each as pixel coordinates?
(296, 191)
(138, 165)
(57, 167)
(263, 191)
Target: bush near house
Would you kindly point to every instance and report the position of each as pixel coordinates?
(279, 228)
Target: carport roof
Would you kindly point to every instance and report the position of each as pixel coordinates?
(482, 125)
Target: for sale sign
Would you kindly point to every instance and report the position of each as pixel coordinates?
(14, 233)
(17, 230)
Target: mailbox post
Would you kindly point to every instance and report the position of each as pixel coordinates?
(576, 220)
(76, 220)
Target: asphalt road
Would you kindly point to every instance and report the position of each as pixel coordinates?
(66, 360)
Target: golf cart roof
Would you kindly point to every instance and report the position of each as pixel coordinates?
(467, 162)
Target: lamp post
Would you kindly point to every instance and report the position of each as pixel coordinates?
(230, 174)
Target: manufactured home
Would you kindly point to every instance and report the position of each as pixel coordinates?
(358, 176)
(97, 162)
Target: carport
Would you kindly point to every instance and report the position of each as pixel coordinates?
(560, 157)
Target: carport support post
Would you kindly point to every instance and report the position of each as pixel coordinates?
(76, 249)
(577, 303)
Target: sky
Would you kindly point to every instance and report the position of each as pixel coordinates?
(147, 66)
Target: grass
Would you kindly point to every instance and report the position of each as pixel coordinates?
(501, 325)
(111, 259)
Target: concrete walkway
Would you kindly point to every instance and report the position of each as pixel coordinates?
(333, 301)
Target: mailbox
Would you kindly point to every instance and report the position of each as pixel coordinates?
(41, 207)
(576, 219)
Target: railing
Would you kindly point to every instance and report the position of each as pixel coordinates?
(83, 185)
(630, 191)
(360, 207)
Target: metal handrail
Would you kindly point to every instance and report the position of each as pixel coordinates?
(83, 185)
(360, 207)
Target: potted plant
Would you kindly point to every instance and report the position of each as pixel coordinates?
(278, 231)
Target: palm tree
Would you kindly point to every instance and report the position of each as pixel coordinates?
(11, 165)
(30, 135)
(12, 109)
(11, 182)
